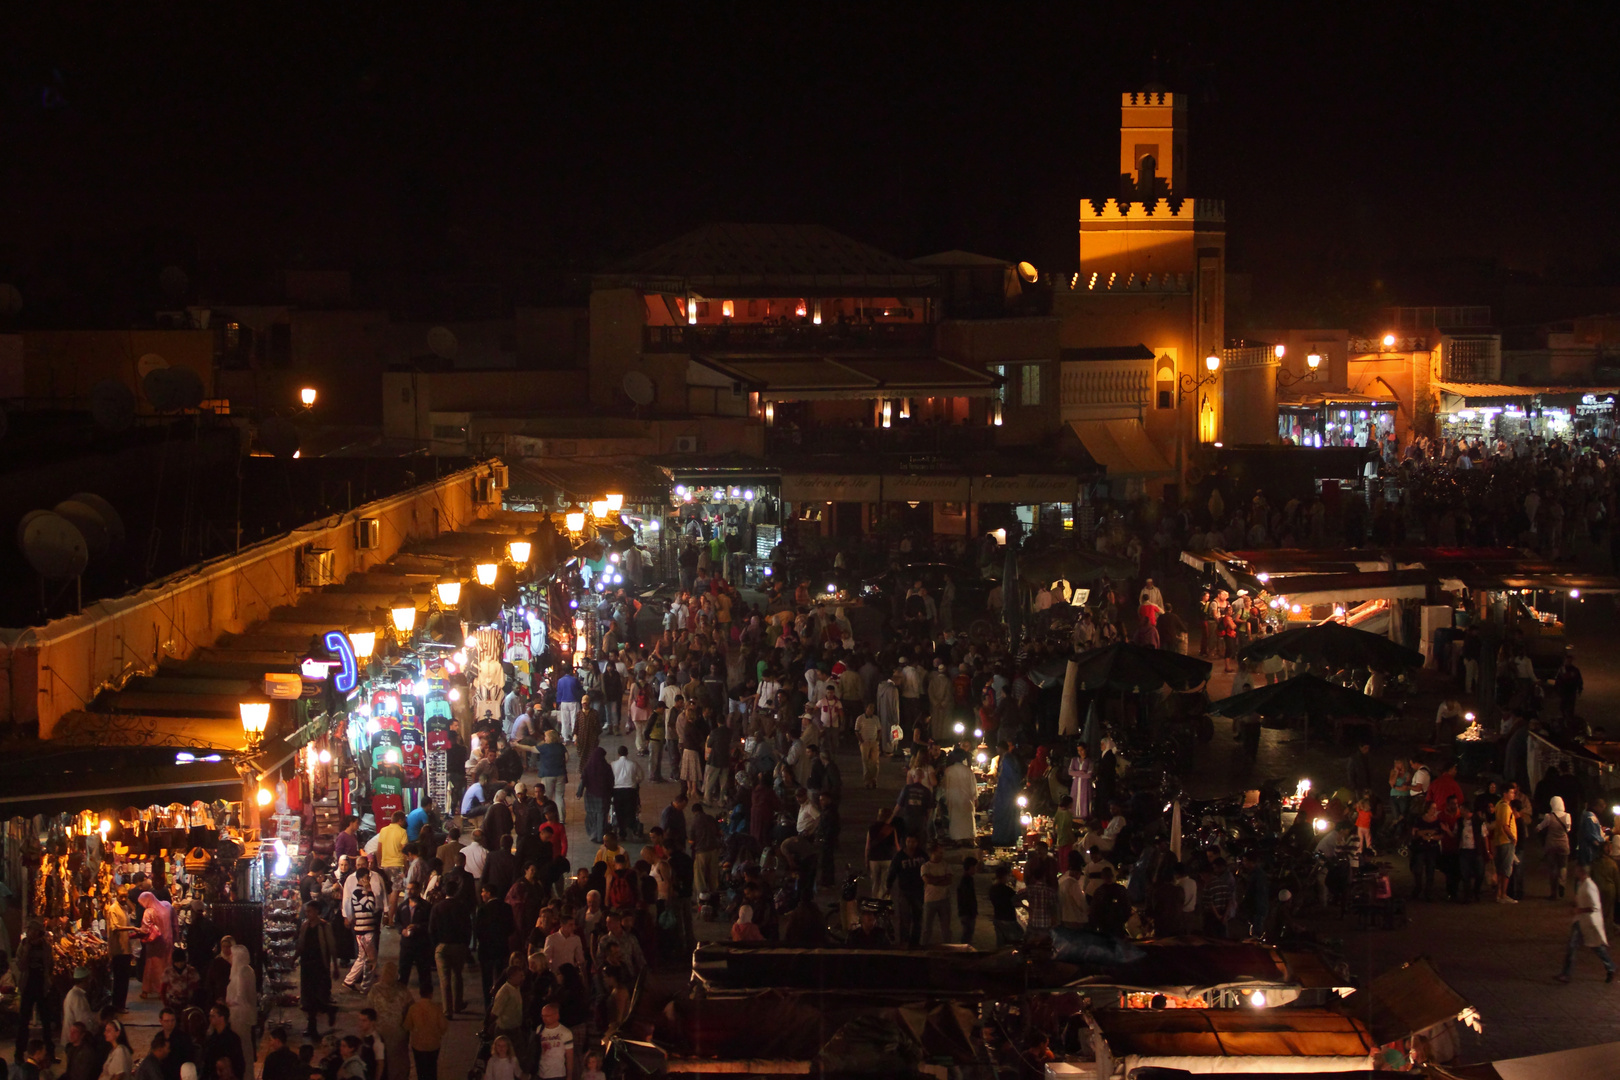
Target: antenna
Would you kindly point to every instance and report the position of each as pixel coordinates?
(441, 342)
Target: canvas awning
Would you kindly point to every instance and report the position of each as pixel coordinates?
(1406, 1001)
(1478, 394)
(1246, 1039)
(107, 779)
(1308, 589)
(1122, 447)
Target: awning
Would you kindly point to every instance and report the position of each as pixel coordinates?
(1308, 589)
(105, 780)
(1406, 1001)
(584, 483)
(1122, 447)
(1477, 394)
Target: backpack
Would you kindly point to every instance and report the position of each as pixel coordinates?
(621, 892)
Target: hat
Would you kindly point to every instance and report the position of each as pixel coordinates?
(521, 788)
(81, 973)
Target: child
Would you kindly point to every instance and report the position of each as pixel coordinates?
(593, 1067)
(503, 1061)
(967, 900)
(1364, 819)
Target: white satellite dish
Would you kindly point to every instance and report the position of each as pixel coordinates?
(22, 526)
(87, 519)
(639, 388)
(54, 547)
(112, 404)
(441, 342)
(10, 299)
(148, 363)
(110, 516)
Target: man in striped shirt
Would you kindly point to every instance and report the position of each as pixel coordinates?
(363, 893)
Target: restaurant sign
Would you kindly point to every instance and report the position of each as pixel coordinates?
(830, 487)
(1025, 488)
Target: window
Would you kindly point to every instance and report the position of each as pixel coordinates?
(1000, 372)
(1206, 422)
(1164, 384)
(1030, 385)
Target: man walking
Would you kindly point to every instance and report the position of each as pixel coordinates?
(568, 695)
(450, 927)
(869, 734)
(905, 883)
(626, 794)
(1587, 929)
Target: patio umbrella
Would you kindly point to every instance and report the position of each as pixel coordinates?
(1136, 667)
(1337, 645)
(1303, 695)
(1072, 565)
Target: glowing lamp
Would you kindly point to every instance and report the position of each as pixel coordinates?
(308, 395)
(575, 521)
(449, 590)
(403, 612)
(255, 718)
(1281, 351)
(1294, 609)
(363, 640)
(324, 757)
(978, 733)
(1322, 824)
(1023, 800)
(1574, 594)
(460, 657)
(995, 414)
(1000, 535)
(519, 550)
(1313, 361)
(831, 588)
(486, 573)
(1258, 999)
(599, 508)
(799, 310)
(1213, 363)
(454, 694)
(816, 318)
(392, 756)
(1389, 341)
(579, 643)
(1262, 577)
(887, 413)
(984, 759)
(727, 309)
(1025, 819)
(770, 413)
(691, 312)
(264, 798)
(615, 501)
(961, 728)
(104, 828)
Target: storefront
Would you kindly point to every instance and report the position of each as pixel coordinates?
(1335, 418)
(1487, 412)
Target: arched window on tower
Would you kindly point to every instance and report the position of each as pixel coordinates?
(1164, 384)
(1206, 421)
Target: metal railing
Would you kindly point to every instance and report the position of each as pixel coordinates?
(788, 337)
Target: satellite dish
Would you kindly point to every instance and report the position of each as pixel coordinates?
(22, 526)
(109, 516)
(112, 405)
(442, 343)
(148, 363)
(279, 436)
(639, 388)
(54, 546)
(1027, 272)
(188, 386)
(10, 300)
(87, 519)
(174, 282)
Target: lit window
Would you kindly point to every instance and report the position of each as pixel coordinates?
(1206, 422)
(1164, 384)
(1030, 385)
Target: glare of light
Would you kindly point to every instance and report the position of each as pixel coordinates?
(736, 493)
(486, 572)
(454, 694)
(104, 828)
(519, 550)
(449, 590)
(1262, 577)
(983, 759)
(421, 688)
(579, 643)
(613, 557)
(392, 755)
(767, 571)
(1574, 594)
(308, 395)
(831, 587)
(599, 508)
(995, 414)
(680, 489)
(1025, 819)
(1281, 351)
(1389, 341)
(727, 309)
(1338, 611)
(214, 757)
(363, 640)
(362, 709)
(1615, 810)
(615, 501)
(748, 494)
(469, 642)
(573, 603)
(283, 864)
(460, 657)
(575, 521)
(1258, 999)
(978, 733)
(816, 318)
(1213, 363)
(1468, 716)
(691, 312)
(1313, 361)
(652, 525)
(298, 453)
(886, 412)
(1000, 535)
(264, 797)
(450, 667)
(255, 718)
(961, 729)
(1294, 609)
(1304, 787)
(324, 757)
(404, 614)
(373, 726)
(1322, 824)
(184, 757)
(1023, 800)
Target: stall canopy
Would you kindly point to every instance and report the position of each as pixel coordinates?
(731, 968)
(584, 483)
(1187, 1038)
(1406, 1001)
(106, 779)
(1122, 447)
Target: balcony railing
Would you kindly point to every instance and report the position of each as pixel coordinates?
(789, 338)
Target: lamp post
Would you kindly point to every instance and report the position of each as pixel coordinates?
(403, 611)
(308, 395)
(1288, 378)
(1191, 384)
(449, 590)
(363, 640)
(519, 551)
(486, 572)
(255, 713)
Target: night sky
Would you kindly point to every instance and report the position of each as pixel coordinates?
(1352, 152)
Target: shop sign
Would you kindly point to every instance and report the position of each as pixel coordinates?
(831, 487)
(925, 489)
(283, 686)
(347, 674)
(1025, 489)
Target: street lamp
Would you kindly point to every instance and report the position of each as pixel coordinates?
(308, 395)
(599, 508)
(615, 502)
(363, 640)
(1190, 383)
(449, 590)
(404, 614)
(1288, 378)
(519, 550)
(575, 521)
(486, 573)
(255, 718)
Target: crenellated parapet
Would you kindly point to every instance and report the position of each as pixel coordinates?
(1178, 210)
(1130, 283)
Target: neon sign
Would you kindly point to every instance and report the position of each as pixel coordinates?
(337, 643)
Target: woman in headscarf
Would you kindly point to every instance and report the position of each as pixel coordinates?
(762, 812)
(390, 998)
(596, 786)
(1004, 823)
(242, 996)
(157, 930)
(314, 952)
(960, 797)
(1557, 824)
(1081, 774)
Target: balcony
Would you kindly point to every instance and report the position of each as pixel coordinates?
(788, 338)
(916, 439)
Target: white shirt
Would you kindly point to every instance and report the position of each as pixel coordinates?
(808, 816)
(475, 854)
(555, 1043)
(1072, 904)
(121, 1062)
(1590, 922)
(76, 1009)
(561, 949)
(668, 694)
(626, 772)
